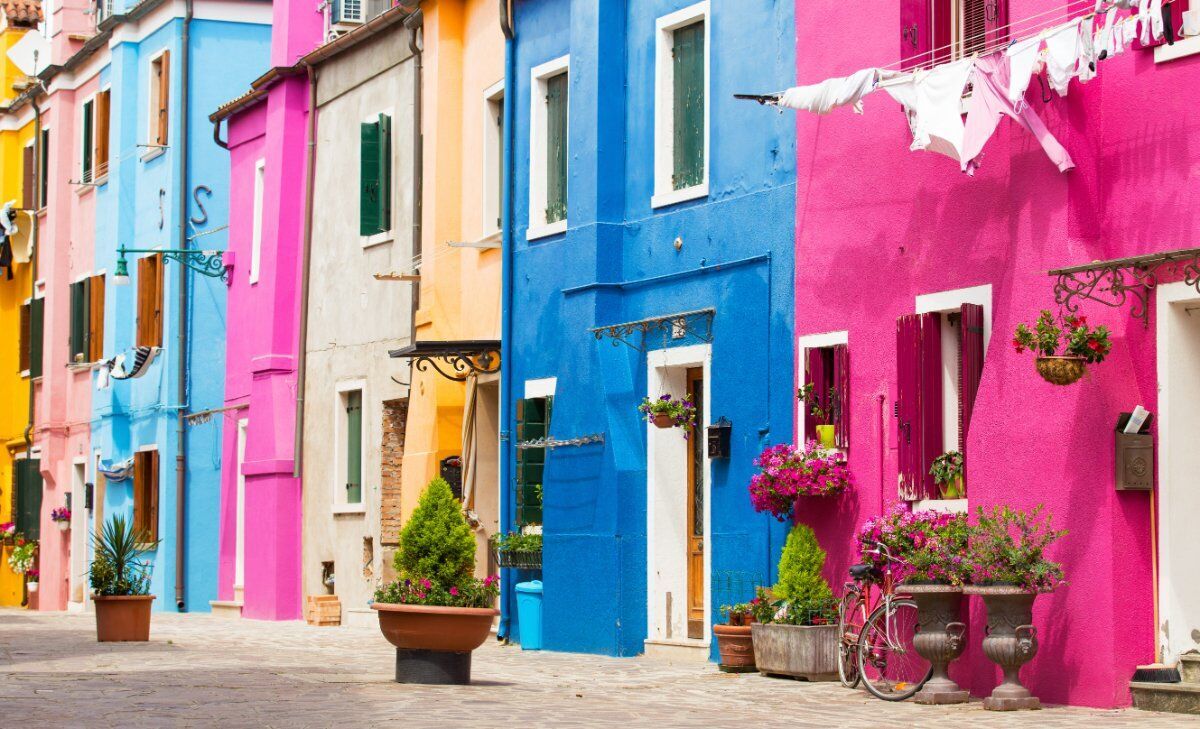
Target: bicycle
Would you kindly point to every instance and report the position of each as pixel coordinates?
(879, 652)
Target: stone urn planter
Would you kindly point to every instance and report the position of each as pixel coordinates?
(801, 651)
(940, 638)
(122, 618)
(1011, 642)
(433, 643)
(735, 643)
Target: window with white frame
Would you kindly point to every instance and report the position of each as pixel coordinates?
(158, 123)
(549, 140)
(493, 157)
(681, 117)
(349, 439)
(260, 170)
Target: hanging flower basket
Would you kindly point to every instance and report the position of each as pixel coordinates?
(662, 420)
(1079, 343)
(669, 412)
(1061, 370)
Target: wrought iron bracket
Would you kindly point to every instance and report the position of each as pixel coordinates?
(206, 263)
(459, 359)
(1113, 283)
(696, 324)
(552, 443)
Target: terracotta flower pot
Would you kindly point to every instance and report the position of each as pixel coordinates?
(1061, 370)
(1011, 642)
(662, 420)
(434, 643)
(122, 617)
(939, 640)
(735, 643)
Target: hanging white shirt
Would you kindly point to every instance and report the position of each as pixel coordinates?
(829, 94)
(933, 102)
(1062, 56)
(1022, 57)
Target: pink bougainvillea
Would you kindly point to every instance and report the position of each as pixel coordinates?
(787, 473)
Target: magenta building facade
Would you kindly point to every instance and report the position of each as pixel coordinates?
(883, 232)
(266, 131)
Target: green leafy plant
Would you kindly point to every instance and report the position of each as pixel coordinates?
(21, 559)
(1008, 547)
(740, 614)
(946, 469)
(118, 567)
(825, 412)
(1077, 339)
(682, 412)
(517, 542)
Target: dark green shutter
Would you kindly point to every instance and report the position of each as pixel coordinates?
(44, 171)
(369, 205)
(354, 447)
(29, 497)
(556, 148)
(385, 172)
(533, 422)
(688, 61)
(88, 120)
(37, 317)
(79, 320)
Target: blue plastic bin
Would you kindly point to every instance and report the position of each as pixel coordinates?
(529, 614)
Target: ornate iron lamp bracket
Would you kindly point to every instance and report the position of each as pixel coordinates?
(453, 360)
(1113, 283)
(206, 263)
(696, 324)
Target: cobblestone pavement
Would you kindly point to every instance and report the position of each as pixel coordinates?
(199, 671)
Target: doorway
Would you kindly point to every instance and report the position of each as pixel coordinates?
(695, 510)
(1178, 494)
(78, 537)
(239, 559)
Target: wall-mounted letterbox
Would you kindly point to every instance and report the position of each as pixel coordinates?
(718, 438)
(1135, 456)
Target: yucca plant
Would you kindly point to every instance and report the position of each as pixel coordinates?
(117, 567)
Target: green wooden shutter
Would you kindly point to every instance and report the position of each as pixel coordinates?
(37, 317)
(556, 148)
(369, 198)
(533, 422)
(354, 447)
(88, 120)
(29, 497)
(78, 320)
(688, 61)
(385, 172)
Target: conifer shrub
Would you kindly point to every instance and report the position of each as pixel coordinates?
(802, 596)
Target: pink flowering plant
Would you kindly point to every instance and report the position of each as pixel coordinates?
(786, 473)
(928, 546)
(1008, 547)
(7, 530)
(61, 513)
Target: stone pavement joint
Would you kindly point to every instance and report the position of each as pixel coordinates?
(199, 671)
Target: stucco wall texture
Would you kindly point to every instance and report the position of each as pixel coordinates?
(877, 225)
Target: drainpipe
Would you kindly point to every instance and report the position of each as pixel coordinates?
(302, 357)
(217, 136)
(414, 22)
(506, 288)
(182, 392)
(33, 243)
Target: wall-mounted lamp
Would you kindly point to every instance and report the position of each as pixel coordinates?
(207, 263)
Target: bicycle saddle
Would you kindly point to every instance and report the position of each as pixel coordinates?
(862, 571)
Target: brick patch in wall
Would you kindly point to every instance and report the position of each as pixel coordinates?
(395, 415)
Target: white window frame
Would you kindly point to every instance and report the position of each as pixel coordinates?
(260, 183)
(89, 181)
(949, 302)
(664, 105)
(152, 108)
(339, 505)
(539, 76)
(493, 158)
(387, 236)
(803, 344)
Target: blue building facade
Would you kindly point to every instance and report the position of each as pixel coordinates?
(140, 206)
(672, 273)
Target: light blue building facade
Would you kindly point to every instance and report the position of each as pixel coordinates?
(170, 195)
(671, 273)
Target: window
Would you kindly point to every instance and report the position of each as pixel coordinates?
(549, 140)
(533, 421)
(95, 318)
(29, 186)
(150, 301)
(941, 30)
(104, 10)
(260, 173)
(493, 158)
(100, 155)
(375, 177)
(348, 12)
(87, 320)
(145, 493)
(350, 403)
(825, 392)
(940, 352)
(32, 323)
(27, 473)
(681, 106)
(160, 98)
(43, 176)
(86, 147)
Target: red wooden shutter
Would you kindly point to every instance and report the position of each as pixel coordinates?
(841, 382)
(995, 19)
(814, 374)
(970, 367)
(915, 32)
(919, 402)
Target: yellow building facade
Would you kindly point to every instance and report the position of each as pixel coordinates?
(17, 131)
(459, 267)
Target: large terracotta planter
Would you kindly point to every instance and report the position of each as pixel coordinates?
(434, 644)
(1011, 642)
(940, 638)
(735, 643)
(801, 651)
(122, 617)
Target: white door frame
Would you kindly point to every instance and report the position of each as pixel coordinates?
(658, 362)
(239, 554)
(77, 539)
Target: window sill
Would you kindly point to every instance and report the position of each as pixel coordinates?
(942, 506)
(153, 152)
(1182, 49)
(370, 241)
(674, 197)
(349, 510)
(84, 188)
(546, 229)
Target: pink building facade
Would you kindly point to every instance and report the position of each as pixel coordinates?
(883, 232)
(260, 531)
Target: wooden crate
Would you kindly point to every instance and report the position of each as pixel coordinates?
(323, 610)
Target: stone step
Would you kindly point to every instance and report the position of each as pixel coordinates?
(231, 609)
(1189, 667)
(1177, 698)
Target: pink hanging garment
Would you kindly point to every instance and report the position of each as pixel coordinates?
(989, 101)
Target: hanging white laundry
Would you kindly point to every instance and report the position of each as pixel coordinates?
(1156, 19)
(933, 102)
(1087, 51)
(1062, 56)
(824, 97)
(1106, 40)
(1128, 35)
(1144, 21)
(1022, 57)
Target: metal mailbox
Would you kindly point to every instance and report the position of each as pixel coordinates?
(718, 438)
(1134, 457)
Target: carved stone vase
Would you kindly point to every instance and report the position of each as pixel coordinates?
(1011, 642)
(940, 638)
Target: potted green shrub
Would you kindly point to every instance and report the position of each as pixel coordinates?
(1081, 345)
(437, 612)
(735, 641)
(1009, 569)
(520, 550)
(120, 580)
(796, 633)
(947, 472)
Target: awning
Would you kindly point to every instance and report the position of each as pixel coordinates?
(460, 358)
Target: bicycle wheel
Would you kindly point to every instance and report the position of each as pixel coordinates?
(848, 611)
(890, 667)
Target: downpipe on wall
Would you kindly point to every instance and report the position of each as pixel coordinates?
(305, 275)
(506, 286)
(182, 383)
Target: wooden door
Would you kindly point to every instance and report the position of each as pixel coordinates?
(697, 471)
